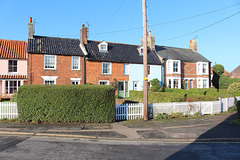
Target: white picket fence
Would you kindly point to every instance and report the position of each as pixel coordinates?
(135, 110)
(129, 111)
(8, 110)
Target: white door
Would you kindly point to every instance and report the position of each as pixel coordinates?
(136, 85)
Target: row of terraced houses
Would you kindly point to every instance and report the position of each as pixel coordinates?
(51, 60)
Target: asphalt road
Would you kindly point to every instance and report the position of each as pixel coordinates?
(36, 147)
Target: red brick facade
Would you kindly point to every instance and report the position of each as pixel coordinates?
(94, 73)
(63, 69)
(64, 72)
(188, 72)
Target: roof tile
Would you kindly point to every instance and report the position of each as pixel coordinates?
(12, 49)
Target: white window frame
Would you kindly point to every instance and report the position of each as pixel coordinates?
(200, 82)
(74, 80)
(9, 87)
(170, 66)
(101, 49)
(110, 68)
(49, 78)
(103, 81)
(12, 65)
(78, 61)
(141, 51)
(172, 81)
(199, 66)
(138, 86)
(126, 69)
(55, 62)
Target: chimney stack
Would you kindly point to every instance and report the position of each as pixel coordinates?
(83, 34)
(30, 28)
(150, 40)
(193, 45)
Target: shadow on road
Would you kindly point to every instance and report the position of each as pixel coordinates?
(213, 149)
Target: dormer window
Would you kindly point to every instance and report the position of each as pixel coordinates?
(103, 47)
(141, 51)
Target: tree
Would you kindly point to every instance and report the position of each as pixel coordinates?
(156, 86)
(218, 70)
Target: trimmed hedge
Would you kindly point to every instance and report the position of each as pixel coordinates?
(66, 103)
(155, 97)
(225, 81)
(194, 97)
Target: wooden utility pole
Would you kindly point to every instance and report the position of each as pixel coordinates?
(145, 68)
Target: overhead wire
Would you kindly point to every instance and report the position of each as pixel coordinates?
(201, 28)
(168, 22)
(173, 21)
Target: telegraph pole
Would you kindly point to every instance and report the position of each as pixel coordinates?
(145, 68)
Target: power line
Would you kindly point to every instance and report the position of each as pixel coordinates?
(168, 22)
(164, 23)
(201, 28)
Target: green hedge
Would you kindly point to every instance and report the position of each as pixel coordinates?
(225, 81)
(155, 97)
(194, 97)
(66, 103)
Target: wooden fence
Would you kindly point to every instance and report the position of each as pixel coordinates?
(129, 111)
(8, 110)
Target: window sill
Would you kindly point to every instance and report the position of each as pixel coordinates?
(50, 69)
(173, 73)
(12, 72)
(107, 74)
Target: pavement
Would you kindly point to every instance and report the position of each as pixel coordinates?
(204, 128)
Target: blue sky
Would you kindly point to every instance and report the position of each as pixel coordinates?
(218, 43)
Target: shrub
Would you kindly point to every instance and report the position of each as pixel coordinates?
(194, 97)
(234, 87)
(162, 116)
(66, 103)
(155, 97)
(156, 86)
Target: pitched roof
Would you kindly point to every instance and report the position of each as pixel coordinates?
(54, 45)
(186, 55)
(118, 52)
(12, 49)
(235, 72)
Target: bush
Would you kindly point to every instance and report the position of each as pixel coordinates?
(156, 86)
(155, 97)
(66, 103)
(194, 97)
(224, 81)
(234, 87)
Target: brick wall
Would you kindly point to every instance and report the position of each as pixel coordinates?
(94, 72)
(63, 71)
(188, 71)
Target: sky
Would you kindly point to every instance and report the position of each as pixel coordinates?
(215, 23)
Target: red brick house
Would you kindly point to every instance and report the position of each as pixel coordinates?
(184, 68)
(54, 60)
(13, 66)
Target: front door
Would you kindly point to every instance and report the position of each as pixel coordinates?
(136, 85)
(123, 89)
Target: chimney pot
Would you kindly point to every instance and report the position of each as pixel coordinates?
(30, 28)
